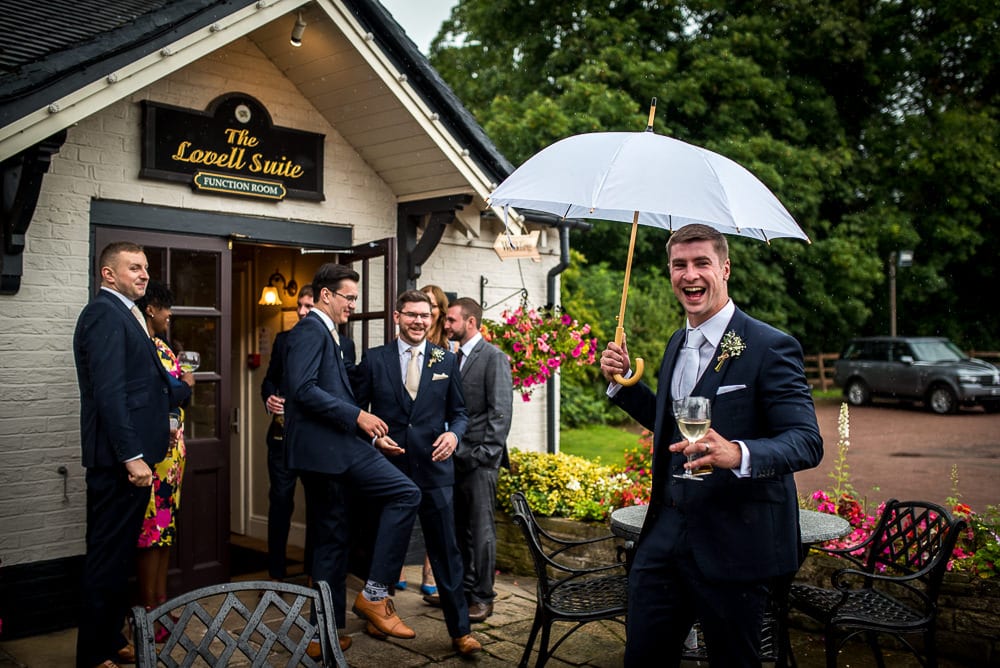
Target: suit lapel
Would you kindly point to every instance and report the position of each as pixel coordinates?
(390, 362)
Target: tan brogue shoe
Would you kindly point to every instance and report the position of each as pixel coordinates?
(466, 645)
(314, 651)
(374, 632)
(382, 615)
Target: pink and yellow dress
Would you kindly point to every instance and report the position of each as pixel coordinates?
(160, 522)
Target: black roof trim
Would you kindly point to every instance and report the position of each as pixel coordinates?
(438, 95)
(106, 38)
(40, 64)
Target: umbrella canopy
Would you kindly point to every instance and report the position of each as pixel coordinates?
(613, 175)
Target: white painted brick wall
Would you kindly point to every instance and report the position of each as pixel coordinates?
(39, 401)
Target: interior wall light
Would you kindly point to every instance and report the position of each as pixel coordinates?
(269, 295)
(297, 30)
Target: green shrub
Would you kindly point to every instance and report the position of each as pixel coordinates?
(562, 485)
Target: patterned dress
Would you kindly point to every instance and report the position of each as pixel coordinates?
(160, 523)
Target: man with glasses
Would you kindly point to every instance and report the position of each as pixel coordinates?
(415, 387)
(328, 441)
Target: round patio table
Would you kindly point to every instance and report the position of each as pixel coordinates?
(816, 526)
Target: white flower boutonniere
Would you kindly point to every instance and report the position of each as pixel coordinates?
(436, 356)
(732, 346)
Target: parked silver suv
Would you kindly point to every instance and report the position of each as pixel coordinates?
(929, 369)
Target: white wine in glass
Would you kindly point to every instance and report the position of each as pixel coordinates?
(189, 361)
(694, 417)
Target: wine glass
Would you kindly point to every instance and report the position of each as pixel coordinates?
(694, 417)
(189, 361)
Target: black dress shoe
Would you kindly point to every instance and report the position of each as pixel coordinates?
(478, 612)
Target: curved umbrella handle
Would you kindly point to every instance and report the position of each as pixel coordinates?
(640, 365)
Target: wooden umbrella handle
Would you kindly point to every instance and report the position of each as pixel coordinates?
(640, 365)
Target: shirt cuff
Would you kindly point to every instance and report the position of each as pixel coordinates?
(613, 387)
(744, 470)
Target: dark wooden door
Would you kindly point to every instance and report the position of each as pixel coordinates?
(198, 271)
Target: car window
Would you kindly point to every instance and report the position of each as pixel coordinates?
(937, 351)
(899, 349)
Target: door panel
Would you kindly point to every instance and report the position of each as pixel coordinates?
(197, 270)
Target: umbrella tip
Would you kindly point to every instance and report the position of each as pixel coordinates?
(652, 114)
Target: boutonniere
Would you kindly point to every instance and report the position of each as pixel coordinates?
(732, 346)
(436, 356)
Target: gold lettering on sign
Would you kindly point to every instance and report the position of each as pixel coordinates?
(235, 159)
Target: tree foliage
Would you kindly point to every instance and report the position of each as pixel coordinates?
(874, 122)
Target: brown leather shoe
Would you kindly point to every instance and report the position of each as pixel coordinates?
(107, 664)
(478, 612)
(374, 632)
(126, 654)
(314, 651)
(382, 615)
(466, 645)
(433, 599)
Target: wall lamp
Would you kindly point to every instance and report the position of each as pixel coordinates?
(297, 30)
(269, 295)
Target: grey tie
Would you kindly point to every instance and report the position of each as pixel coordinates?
(412, 380)
(687, 364)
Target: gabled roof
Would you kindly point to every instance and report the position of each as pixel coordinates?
(62, 60)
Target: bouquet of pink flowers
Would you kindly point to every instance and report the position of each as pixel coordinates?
(538, 343)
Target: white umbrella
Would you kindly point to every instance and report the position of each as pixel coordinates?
(648, 179)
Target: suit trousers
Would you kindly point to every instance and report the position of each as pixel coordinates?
(437, 518)
(115, 508)
(377, 482)
(475, 526)
(667, 593)
(281, 505)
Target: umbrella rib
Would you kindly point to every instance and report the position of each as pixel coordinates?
(604, 176)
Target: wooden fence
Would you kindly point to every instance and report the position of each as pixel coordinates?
(819, 368)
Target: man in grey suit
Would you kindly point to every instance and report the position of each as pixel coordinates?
(489, 394)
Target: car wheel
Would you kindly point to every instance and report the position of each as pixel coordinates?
(942, 400)
(857, 393)
(991, 406)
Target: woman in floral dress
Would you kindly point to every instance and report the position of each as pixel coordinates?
(160, 522)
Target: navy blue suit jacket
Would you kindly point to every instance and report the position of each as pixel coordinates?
(741, 529)
(321, 413)
(414, 424)
(125, 392)
(274, 377)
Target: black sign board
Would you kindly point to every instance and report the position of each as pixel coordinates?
(232, 148)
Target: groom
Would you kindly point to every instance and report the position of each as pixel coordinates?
(710, 549)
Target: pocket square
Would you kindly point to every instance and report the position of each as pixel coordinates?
(726, 389)
(439, 376)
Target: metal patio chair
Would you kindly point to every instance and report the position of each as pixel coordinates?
(893, 587)
(261, 623)
(564, 593)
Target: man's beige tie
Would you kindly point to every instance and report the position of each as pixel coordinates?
(138, 316)
(412, 381)
(335, 335)
(687, 364)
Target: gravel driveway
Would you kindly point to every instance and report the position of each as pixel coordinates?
(906, 452)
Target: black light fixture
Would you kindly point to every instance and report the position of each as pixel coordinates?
(297, 30)
(269, 295)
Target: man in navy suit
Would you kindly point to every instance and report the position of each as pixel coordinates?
(415, 387)
(126, 396)
(281, 494)
(328, 441)
(711, 549)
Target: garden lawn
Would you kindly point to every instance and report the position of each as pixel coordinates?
(598, 442)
